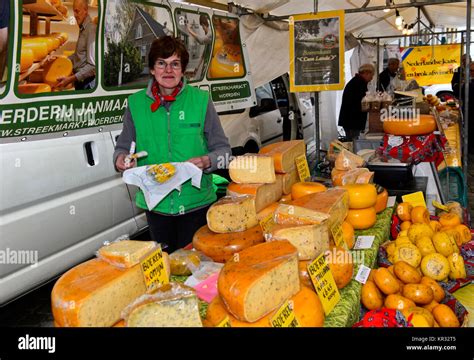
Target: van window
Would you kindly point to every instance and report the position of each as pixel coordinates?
(263, 93)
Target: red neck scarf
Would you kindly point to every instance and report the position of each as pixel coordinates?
(159, 98)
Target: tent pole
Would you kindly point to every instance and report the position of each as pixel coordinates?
(377, 71)
(316, 125)
(466, 93)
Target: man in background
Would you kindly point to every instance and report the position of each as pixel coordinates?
(387, 76)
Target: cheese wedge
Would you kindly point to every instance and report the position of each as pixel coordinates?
(365, 178)
(309, 240)
(94, 293)
(264, 194)
(284, 154)
(270, 209)
(287, 181)
(252, 168)
(221, 247)
(126, 253)
(346, 160)
(306, 306)
(352, 175)
(259, 279)
(288, 214)
(171, 305)
(232, 214)
(333, 202)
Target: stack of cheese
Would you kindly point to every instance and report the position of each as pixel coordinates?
(362, 200)
(348, 170)
(256, 282)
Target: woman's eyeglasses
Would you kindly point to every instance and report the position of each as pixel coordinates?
(161, 64)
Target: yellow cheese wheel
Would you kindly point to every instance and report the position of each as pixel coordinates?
(33, 88)
(39, 47)
(221, 247)
(362, 219)
(361, 196)
(301, 189)
(424, 124)
(27, 58)
(61, 67)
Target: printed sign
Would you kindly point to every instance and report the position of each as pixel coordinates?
(154, 270)
(324, 283)
(285, 316)
(303, 168)
(415, 199)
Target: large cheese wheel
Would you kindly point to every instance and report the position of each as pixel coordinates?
(361, 196)
(301, 189)
(94, 293)
(251, 169)
(59, 68)
(259, 279)
(265, 194)
(39, 47)
(33, 88)
(362, 219)
(231, 214)
(306, 305)
(27, 58)
(221, 247)
(423, 124)
(284, 153)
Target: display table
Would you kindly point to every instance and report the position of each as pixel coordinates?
(346, 312)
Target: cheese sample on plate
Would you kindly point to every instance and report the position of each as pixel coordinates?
(309, 240)
(259, 279)
(284, 154)
(125, 253)
(232, 214)
(333, 202)
(265, 194)
(288, 180)
(251, 169)
(221, 247)
(171, 305)
(306, 306)
(94, 293)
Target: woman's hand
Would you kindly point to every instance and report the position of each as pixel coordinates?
(121, 165)
(202, 162)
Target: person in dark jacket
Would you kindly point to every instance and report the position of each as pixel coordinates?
(458, 77)
(351, 117)
(386, 76)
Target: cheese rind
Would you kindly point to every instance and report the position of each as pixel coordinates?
(126, 253)
(288, 180)
(310, 240)
(251, 169)
(221, 247)
(259, 279)
(270, 209)
(232, 214)
(284, 154)
(288, 214)
(94, 293)
(265, 194)
(171, 305)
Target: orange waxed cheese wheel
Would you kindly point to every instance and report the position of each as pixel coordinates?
(382, 200)
(27, 58)
(424, 124)
(348, 234)
(362, 219)
(59, 68)
(420, 214)
(449, 219)
(404, 211)
(33, 88)
(39, 47)
(341, 265)
(301, 189)
(361, 196)
(221, 247)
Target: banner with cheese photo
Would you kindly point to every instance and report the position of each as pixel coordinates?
(317, 51)
(430, 65)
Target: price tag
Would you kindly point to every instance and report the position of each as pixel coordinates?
(154, 270)
(267, 223)
(302, 166)
(391, 201)
(440, 206)
(364, 242)
(363, 274)
(225, 323)
(338, 236)
(285, 316)
(415, 199)
(324, 283)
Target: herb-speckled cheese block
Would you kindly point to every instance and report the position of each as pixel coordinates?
(287, 214)
(333, 202)
(126, 253)
(232, 214)
(221, 247)
(306, 304)
(172, 305)
(250, 169)
(265, 194)
(259, 279)
(288, 180)
(310, 240)
(94, 293)
(284, 154)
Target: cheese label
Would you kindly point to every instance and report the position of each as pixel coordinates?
(266, 223)
(285, 316)
(224, 323)
(303, 168)
(415, 199)
(391, 201)
(324, 283)
(440, 206)
(154, 270)
(363, 274)
(364, 242)
(338, 236)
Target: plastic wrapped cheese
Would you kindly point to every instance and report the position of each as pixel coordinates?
(184, 262)
(126, 253)
(346, 160)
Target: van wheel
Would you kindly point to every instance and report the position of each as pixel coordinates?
(251, 147)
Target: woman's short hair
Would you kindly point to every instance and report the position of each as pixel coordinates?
(365, 68)
(203, 21)
(166, 46)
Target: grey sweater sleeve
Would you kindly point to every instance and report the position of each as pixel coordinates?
(126, 137)
(217, 143)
